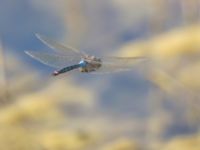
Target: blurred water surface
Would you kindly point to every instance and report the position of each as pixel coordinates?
(153, 107)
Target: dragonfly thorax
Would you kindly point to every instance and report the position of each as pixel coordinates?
(90, 64)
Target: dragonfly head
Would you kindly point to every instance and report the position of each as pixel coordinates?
(83, 63)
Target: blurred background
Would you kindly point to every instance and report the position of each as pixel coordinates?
(153, 107)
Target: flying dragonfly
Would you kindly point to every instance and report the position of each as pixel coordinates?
(67, 58)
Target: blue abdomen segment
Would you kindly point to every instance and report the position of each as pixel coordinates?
(83, 63)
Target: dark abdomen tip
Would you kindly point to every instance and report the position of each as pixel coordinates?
(55, 73)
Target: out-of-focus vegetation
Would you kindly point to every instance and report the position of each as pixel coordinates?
(173, 64)
(39, 112)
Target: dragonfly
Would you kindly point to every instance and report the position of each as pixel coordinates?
(66, 58)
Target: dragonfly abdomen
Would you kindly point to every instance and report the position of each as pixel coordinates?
(66, 69)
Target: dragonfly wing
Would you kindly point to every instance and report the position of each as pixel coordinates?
(57, 47)
(117, 64)
(53, 60)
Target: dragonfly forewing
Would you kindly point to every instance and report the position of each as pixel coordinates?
(58, 47)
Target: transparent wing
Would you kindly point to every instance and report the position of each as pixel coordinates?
(117, 64)
(54, 60)
(59, 48)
